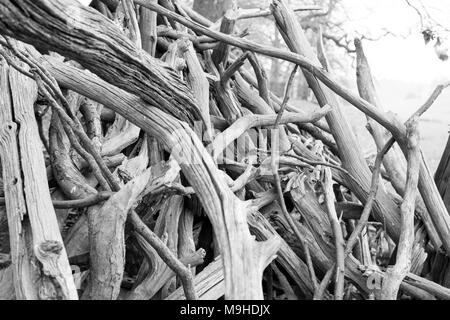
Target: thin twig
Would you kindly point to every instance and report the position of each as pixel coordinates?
(262, 13)
(51, 89)
(166, 255)
(247, 122)
(337, 232)
(362, 222)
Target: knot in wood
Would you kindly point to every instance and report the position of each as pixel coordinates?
(48, 251)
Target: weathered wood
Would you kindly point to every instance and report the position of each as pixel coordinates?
(226, 98)
(148, 29)
(86, 36)
(442, 175)
(212, 9)
(427, 187)
(167, 255)
(393, 161)
(160, 272)
(7, 291)
(52, 276)
(107, 244)
(72, 183)
(21, 274)
(385, 208)
(298, 59)
(120, 135)
(186, 243)
(396, 274)
(245, 123)
(337, 234)
(240, 256)
(295, 267)
(209, 284)
(167, 227)
(199, 85)
(220, 54)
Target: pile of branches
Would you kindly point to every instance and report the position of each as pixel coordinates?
(144, 157)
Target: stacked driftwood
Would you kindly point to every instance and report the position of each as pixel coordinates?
(144, 157)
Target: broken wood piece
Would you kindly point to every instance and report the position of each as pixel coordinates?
(107, 240)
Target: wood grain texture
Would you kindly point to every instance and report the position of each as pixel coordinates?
(86, 36)
(394, 161)
(209, 284)
(49, 276)
(21, 274)
(226, 212)
(386, 209)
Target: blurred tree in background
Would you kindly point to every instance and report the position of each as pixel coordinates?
(340, 27)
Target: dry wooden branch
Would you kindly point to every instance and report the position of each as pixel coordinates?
(163, 126)
(350, 155)
(396, 274)
(209, 283)
(320, 292)
(167, 255)
(107, 253)
(245, 123)
(362, 222)
(15, 200)
(393, 161)
(274, 167)
(220, 54)
(160, 67)
(261, 77)
(200, 87)
(127, 66)
(148, 22)
(298, 59)
(52, 269)
(72, 126)
(287, 95)
(233, 68)
(258, 13)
